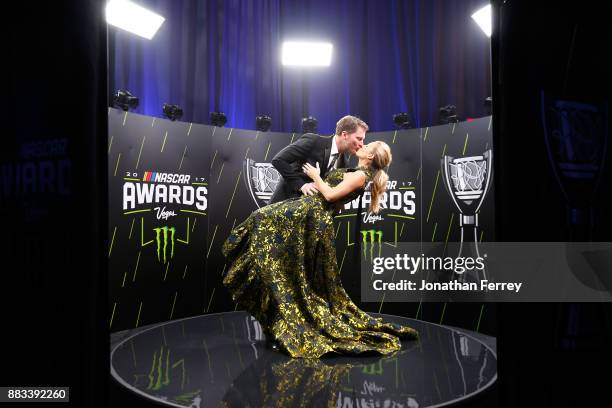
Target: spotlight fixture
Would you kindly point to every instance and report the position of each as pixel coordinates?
(132, 17)
(482, 17)
(172, 112)
(309, 125)
(402, 120)
(448, 114)
(125, 100)
(305, 53)
(263, 123)
(218, 119)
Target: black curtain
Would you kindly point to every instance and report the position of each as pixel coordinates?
(53, 199)
(550, 354)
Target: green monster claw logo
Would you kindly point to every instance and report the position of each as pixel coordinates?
(374, 368)
(159, 375)
(378, 368)
(158, 233)
(372, 237)
(372, 234)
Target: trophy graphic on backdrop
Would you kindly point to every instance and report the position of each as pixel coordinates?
(261, 180)
(467, 180)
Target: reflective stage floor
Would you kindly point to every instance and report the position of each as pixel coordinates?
(220, 360)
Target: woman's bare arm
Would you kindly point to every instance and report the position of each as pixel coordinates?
(351, 182)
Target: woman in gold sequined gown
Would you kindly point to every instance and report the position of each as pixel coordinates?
(283, 268)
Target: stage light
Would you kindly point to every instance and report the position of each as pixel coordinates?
(218, 119)
(133, 18)
(309, 125)
(263, 123)
(402, 120)
(306, 53)
(482, 17)
(172, 112)
(448, 114)
(125, 100)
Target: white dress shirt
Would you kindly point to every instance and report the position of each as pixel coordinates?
(334, 150)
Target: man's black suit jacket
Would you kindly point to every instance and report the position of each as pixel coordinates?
(309, 148)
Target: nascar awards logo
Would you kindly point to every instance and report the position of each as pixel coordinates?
(162, 189)
(398, 202)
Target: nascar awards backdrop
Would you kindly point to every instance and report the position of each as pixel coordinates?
(158, 223)
(177, 189)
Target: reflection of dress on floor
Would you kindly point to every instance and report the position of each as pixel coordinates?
(283, 270)
(273, 380)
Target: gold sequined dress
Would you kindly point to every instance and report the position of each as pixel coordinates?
(282, 269)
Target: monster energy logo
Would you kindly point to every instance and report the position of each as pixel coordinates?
(371, 237)
(374, 368)
(371, 234)
(158, 239)
(377, 368)
(159, 375)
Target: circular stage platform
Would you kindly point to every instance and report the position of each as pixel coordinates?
(220, 360)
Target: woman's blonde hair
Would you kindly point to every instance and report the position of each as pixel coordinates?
(381, 160)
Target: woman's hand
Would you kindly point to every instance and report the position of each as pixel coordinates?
(312, 172)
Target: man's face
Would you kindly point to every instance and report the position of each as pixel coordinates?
(354, 141)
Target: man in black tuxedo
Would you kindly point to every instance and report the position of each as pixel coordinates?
(328, 151)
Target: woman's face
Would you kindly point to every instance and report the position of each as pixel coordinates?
(365, 151)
